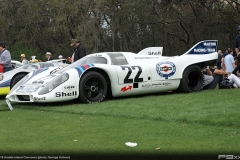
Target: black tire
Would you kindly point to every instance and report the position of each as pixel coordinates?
(192, 80)
(16, 79)
(92, 88)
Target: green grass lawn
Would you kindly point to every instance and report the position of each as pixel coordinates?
(202, 123)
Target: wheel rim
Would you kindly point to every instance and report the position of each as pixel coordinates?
(194, 79)
(93, 87)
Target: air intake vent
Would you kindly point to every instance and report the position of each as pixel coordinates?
(23, 97)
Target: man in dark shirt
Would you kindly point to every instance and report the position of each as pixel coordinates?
(237, 41)
(78, 51)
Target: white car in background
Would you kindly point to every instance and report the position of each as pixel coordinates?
(10, 78)
(16, 64)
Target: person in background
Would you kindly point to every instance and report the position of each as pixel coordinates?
(69, 59)
(208, 78)
(229, 62)
(237, 41)
(223, 56)
(78, 51)
(234, 78)
(48, 56)
(60, 57)
(218, 76)
(219, 60)
(5, 58)
(33, 59)
(238, 58)
(23, 59)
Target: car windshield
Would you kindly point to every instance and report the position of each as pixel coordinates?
(31, 66)
(85, 60)
(46, 64)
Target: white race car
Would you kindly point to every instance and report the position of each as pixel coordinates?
(10, 78)
(97, 75)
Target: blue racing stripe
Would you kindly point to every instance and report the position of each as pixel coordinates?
(6, 83)
(82, 68)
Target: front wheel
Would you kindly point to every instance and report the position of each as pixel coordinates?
(92, 87)
(192, 80)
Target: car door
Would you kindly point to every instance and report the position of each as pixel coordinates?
(133, 74)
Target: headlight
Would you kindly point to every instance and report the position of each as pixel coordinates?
(54, 83)
(1, 77)
(18, 83)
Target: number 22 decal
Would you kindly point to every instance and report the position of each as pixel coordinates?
(130, 68)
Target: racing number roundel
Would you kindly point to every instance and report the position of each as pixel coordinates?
(165, 69)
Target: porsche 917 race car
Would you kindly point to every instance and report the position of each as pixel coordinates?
(10, 78)
(98, 75)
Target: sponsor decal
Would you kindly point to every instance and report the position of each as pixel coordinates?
(39, 98)
(210, 44)
(205, 47)
(205, 50)
(146, 57)
(125, 88)
(69, 88)
(95, 55)
(157, 85)
(154, 53)
(165, 69)
(68, 94)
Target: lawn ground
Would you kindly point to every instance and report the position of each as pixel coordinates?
(204, 123)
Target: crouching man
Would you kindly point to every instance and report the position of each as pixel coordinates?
(208, 78)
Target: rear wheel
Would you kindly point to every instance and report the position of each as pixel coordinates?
(16, 79)
(192, 80)
(92, 87)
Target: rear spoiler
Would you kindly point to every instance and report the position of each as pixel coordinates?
(157, 51)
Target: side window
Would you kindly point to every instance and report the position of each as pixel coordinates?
(49, 65)
(100, 60)
(118, 59)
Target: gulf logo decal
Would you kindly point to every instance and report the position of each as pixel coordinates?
(165, 69)
(82, 68)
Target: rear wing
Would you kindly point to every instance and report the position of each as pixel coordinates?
(157, 51)
(203, 47)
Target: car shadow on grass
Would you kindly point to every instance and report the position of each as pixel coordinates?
(74, 102)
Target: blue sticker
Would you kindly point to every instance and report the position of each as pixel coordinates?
(204, 47)
(82, 68)
(165, 69)
(5, 84)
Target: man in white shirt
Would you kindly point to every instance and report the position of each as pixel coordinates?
(229, 62)
(23, 59)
